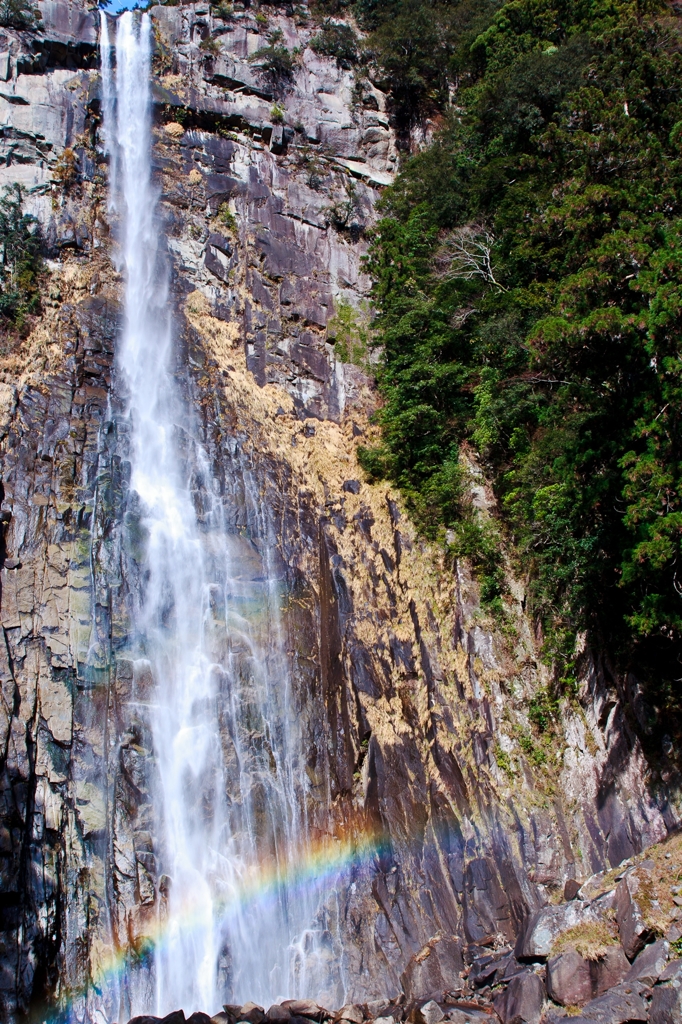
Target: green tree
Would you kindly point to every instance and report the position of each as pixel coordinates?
(338, 41)
(276, 61)
(559, 360)
(19, 14)
(20, 259)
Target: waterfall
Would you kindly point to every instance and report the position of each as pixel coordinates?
(230, 792)
(108, 120)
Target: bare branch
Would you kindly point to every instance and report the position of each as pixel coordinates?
(459, 318)
(466, 254)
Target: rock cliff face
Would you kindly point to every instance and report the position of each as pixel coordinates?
(414, 704)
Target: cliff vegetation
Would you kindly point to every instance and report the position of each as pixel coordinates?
(526, 276)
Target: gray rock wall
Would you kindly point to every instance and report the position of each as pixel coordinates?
(413, 703)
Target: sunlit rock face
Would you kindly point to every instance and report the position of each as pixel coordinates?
(428, 813)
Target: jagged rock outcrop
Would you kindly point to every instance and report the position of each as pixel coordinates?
(590, 978)
(414, 703)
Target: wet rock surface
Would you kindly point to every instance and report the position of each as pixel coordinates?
(411, 700)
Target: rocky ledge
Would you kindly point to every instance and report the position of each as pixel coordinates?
(608, 954)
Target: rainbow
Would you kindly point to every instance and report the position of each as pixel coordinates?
(316, 863)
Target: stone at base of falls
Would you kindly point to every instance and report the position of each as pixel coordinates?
(175, 1017)
(378, 1008)
(252, 1009)
(429, 1013)
(568, 979)
(289, 1010)
(666, 1003)
(634, 930)
(573, 981)
(649, 964)
(544, 927)
(278, 1012)
(351, 1012)
(307, 1008)
(470, 1017)
(251, 1013)
(571, 889)
(522, 1001)
(624, 1004)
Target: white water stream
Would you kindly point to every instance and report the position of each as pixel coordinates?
(231, 786)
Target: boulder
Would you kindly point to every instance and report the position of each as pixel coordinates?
(429, 1013)
(434, 970)
(666, 1005)
(508, 969)
(573, 981)
(483, 971)
(650, 963)
(610, 969)
(569, 979)
(522, 1000)
(252, 1012)
(199, 1018)
(352, 1012)
(278, 1012)
(458, 1016)
(548, 923)
(633, 929)
(666, 1001)
(571, 888)
(384, 1020)
(174, 1017)
(623, 1004)
(377, 1008)
(673, 972)
(232, 1012)
(306, 1008)
(492, 968)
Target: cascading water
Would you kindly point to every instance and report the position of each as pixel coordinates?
(209, 658)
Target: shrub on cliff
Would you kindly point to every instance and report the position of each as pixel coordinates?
(338, 41)
(562, 367)
(418, 49)
(20, 259)
(19, 14)
(275, 60)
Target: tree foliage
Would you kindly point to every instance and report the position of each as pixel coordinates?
(276, 61)
(416, 48)
(19, 14)
(20, 259)
(338, 41)
(559, 361)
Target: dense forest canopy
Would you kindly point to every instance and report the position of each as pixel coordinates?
(528, 282)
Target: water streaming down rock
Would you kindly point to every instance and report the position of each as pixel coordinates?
(209, 661)
(108, 118)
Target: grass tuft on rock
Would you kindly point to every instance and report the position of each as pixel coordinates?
(591, 940)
